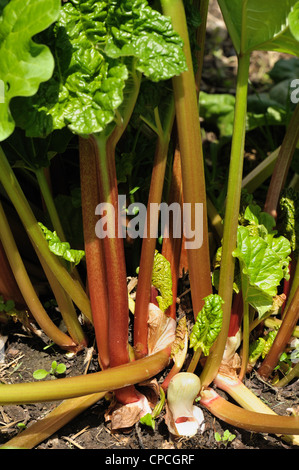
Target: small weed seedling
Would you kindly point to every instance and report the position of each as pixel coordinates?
(225, 438)
(56, 369)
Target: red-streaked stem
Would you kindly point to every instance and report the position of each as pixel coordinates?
(236, 315)
(288, 283)
(189, 135)
(284, 333)
(149, 242)
(248, 420)
(9, 289)
(118, 308)
(95, 261)
(171, 247)
(71, 387)
(283, 163)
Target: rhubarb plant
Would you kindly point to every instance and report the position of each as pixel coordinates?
(89, 65)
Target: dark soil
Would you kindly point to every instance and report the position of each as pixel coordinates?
(25, 353)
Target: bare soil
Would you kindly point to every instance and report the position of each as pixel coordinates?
(25, 353)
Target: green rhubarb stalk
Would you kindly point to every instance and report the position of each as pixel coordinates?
(231, 219)
(71, 387)
(245, 337)
(203, 6)
(18, 199)
(249, 420)
(64, 302)
(55, 420)
(293, 374)
(66, 308)
(283, 163)
(190, 144)
(50, 205)
(248, 400)
(150, 239)
(27, 289)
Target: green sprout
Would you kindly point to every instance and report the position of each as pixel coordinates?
(56, 369)
(225, 438)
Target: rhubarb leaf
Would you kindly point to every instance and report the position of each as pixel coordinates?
(139, 31)
(263, 264)
(162, 280)
(255, 25)
(288, 217)
(208, 324)
(98, 47)
(61, 249)
(24, 64)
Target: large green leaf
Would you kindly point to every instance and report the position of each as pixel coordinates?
(97, 46)
(24, 64)
(260, 25)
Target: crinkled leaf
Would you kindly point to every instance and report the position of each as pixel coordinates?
(24, 64)
(95, 45)
(208, 324)
(61, 249)
(263, 265)
(139, 31)
(254, 215)
(288, 217)
(162, 280)
(255, 350)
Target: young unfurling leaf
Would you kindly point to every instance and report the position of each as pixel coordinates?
(60, 248)
(288, 217)
(208, 324)
(161, 279)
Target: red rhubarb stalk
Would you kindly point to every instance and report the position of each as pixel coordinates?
(95, 262)
(171, 248)
(285, 331)
(148, 249)
(118, 308)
